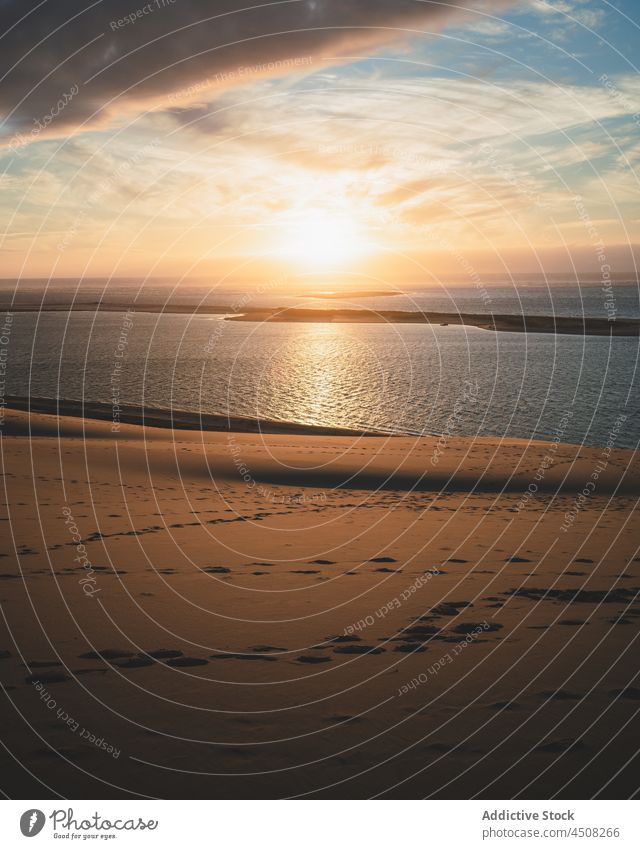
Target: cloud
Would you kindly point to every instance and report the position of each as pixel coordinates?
(578, 11)
(82, 63)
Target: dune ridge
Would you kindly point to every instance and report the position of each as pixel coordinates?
(168, 418)
(333, 460)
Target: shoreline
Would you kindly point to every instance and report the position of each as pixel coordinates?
(516, 323)
(159, 417)
(402, 462)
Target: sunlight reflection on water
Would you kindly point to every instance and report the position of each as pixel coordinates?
(396, 378)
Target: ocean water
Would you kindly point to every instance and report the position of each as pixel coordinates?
(526, 295)
(410, 379)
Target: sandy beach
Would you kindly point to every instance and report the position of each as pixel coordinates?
(209, 614)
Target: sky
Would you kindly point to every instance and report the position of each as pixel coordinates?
(351, 139)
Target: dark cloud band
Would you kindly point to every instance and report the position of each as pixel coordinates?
(126, 54)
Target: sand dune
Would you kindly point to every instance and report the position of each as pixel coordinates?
(425, 464)
(235, 614)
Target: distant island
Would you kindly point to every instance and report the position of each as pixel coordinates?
(569, 325)
(573, 325)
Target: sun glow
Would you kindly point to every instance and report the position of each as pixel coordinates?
(320, 239)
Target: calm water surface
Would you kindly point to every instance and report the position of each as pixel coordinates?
(396, 378)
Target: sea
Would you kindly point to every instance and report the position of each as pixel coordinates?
(401, 379)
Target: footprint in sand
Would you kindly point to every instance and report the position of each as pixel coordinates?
(442, 610)
(313, 658)
(470, 627)
(560, 695)
(106, 654)
(626, 693)
(186, 661)
(617, 596)
(47, 678)
(164, 654)
(241, 656)
(134, 663)
(382, 560)
(267, 649)
(359, 650)
(344, 638)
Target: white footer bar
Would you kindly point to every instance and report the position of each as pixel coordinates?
(320, 824)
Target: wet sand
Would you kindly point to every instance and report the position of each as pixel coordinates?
(209, 614)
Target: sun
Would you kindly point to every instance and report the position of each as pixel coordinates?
(321, 239)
